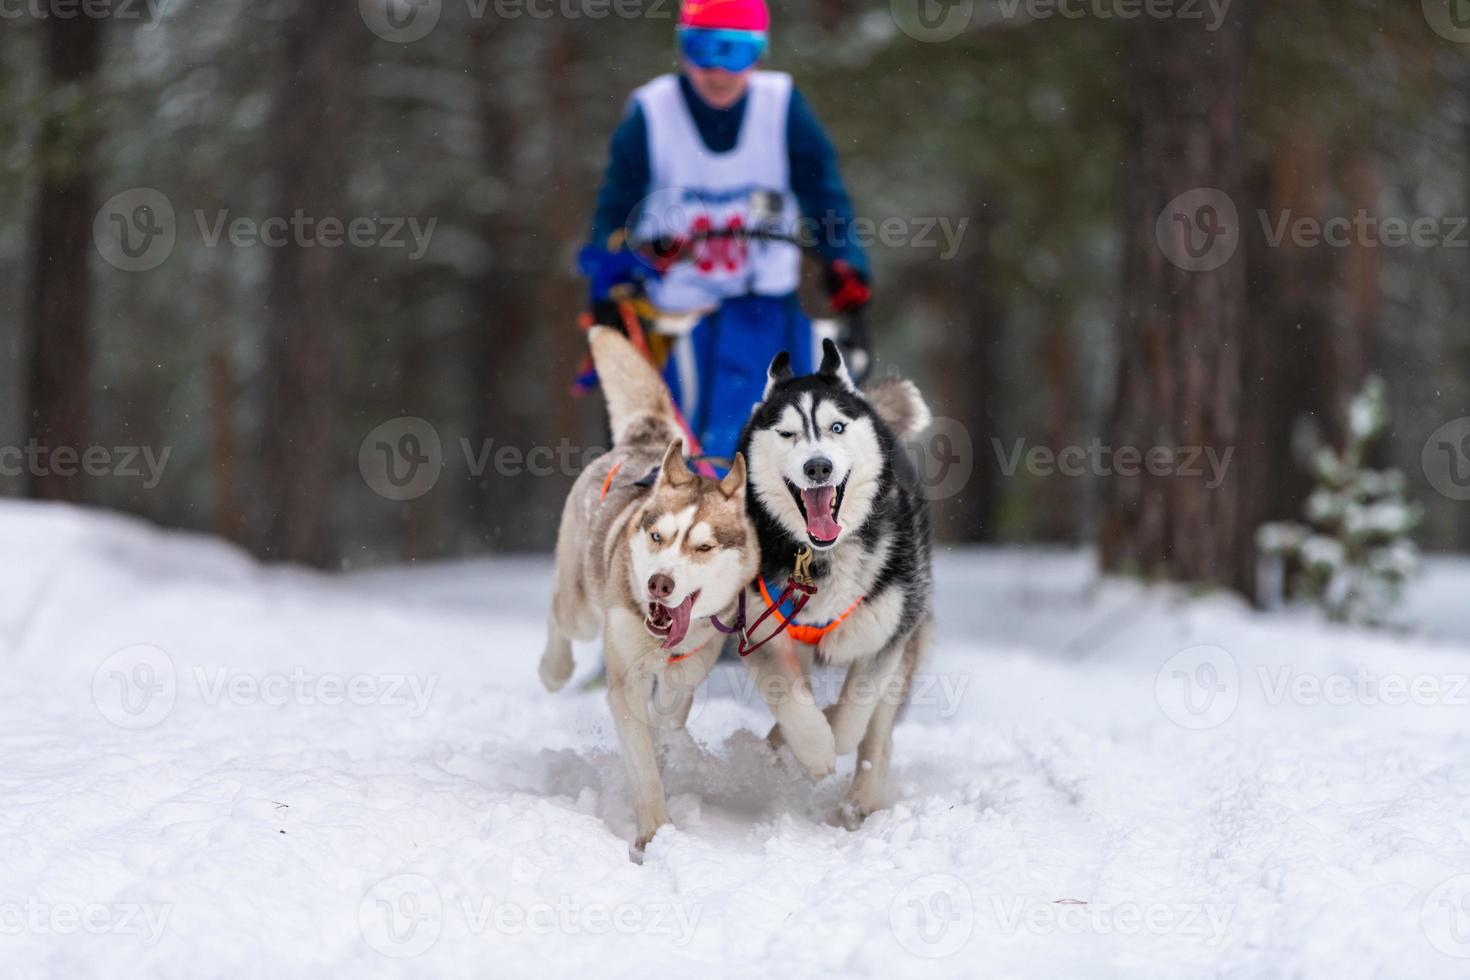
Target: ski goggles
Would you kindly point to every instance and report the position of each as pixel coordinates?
(731, 50)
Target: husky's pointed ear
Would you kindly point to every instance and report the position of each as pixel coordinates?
(734, 482)
(779, 371)
(675, 471)
(834, 368)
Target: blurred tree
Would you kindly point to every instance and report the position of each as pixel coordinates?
(1180, 331)
(311, 128)
(59, 380)
(501, 311)
(496, 126)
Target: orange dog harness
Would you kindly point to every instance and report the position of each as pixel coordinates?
(800, 588)
(800, 632)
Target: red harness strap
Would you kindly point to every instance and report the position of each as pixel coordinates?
(676, 658)
(792, 586)
(607, 484)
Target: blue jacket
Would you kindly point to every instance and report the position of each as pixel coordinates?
(815, 179)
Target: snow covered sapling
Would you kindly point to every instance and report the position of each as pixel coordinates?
(1354, 554)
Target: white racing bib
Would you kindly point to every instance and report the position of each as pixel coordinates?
(695, 192)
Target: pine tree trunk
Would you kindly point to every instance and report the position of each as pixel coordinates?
(559, 297)
(1291, 388)
(1462, 531)
(1181, 331)
(1057, 517)
(58, 353)
(309, 128)
(966, 290)
(501, 318)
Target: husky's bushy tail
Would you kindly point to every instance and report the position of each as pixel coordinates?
(643, 421)
(900, 405)
(638, 403)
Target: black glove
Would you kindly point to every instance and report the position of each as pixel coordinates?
(605, 313)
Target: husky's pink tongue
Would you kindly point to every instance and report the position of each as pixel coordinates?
(820, 523)
(680, 626)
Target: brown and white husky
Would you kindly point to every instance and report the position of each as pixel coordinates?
(647, 553)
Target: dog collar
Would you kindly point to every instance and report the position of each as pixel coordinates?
(675, 658)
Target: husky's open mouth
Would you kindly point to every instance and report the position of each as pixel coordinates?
(670, 623)
(819, 507)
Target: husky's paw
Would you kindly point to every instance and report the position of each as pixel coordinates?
(812, 743)
(635, 852)
(852, 814)
(775, 739)
(556, 669)
(677, 748)
(846, 732)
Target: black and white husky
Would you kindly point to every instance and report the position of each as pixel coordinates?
(835, 505)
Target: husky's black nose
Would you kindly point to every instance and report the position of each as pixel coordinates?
(660, 586)
(819, 470)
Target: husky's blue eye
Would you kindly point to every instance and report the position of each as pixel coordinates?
(839, 427)
(657, 538)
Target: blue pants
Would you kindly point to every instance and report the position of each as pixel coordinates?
(718, 372)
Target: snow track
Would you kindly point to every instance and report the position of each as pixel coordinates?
(214, 770)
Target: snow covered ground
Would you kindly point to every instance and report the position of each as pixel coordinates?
(208, 769)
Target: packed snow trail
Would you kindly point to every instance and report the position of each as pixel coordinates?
(212, 769)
